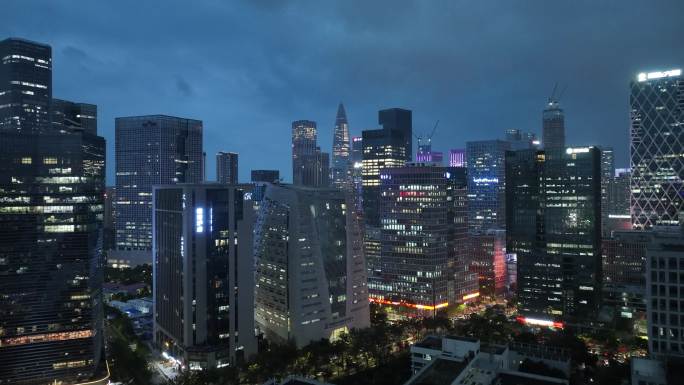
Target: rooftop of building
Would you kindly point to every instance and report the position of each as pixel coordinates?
(430, 342)
(463, 338)
(441, 371)
(517, 378)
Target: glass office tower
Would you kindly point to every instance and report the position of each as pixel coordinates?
(423, 264)
(227, 167)
(310, 166)
(486, 184)
(203, 274)
(51, 213)
(553, 126)
(553, 213)
(657, 148)
(25, 85)
(340, 170)
(150, 150)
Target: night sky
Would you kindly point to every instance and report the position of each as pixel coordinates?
(247, 69)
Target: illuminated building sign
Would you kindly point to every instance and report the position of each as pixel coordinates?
(486, 180)
(407, 304)
(471, 296)
(540, 322)
(642, 77)
(199, 220)
(577, 150)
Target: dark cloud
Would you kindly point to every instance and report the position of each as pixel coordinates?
(248, 68)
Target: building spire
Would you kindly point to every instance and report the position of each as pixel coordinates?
(341, 114)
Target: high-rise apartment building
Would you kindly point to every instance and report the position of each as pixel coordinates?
(270, 176)
(664, 280)
(486, 184)
(341, 164)
(423, 264)
(227, 167)
(553, 126)
(488, 260)
(384, 148)
(25, 85)
(657, 148)
(310, 269)
(310, 166)
(150, 150)
(51, 212)
(203, 274)
(553, 216)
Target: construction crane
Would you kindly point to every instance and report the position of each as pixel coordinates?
(428, 145)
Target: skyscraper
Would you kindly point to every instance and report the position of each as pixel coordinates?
(270, 176)
(203, 274)
(489, 260)
(310, 269)
(227, 167)
(150, 150)
(357, 171)
(72, 116)
(520, 140)
(657, 148)
(384, 148)
(486, 184)
(457, 157)
(664, 273)
(553, 221)
(310, 166)
(607, 175)
(341, 164)
(399, 119)
(423, 265)
(51, 189)
(624, 270)
(25, 85)
(553, 126)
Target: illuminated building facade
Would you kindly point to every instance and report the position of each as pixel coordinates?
(227, 167)
(664, 279)
(624, 269)
(553, 213)
(486, 184)
(310, 269)
(25, 85)
(423, 264)
(657, 149)
(51, 213)
(310, 166)
(553, 126)
(383, 148)
(202, 274)
(489, 260)
(150, 150)
(457, 157)
(607, 175)
(357, 171)
(341, 152)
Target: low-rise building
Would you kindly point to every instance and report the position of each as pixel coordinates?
(465, 360)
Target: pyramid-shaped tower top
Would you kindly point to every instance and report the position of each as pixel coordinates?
(341, 114)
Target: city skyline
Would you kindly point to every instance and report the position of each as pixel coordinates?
(442, 71)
